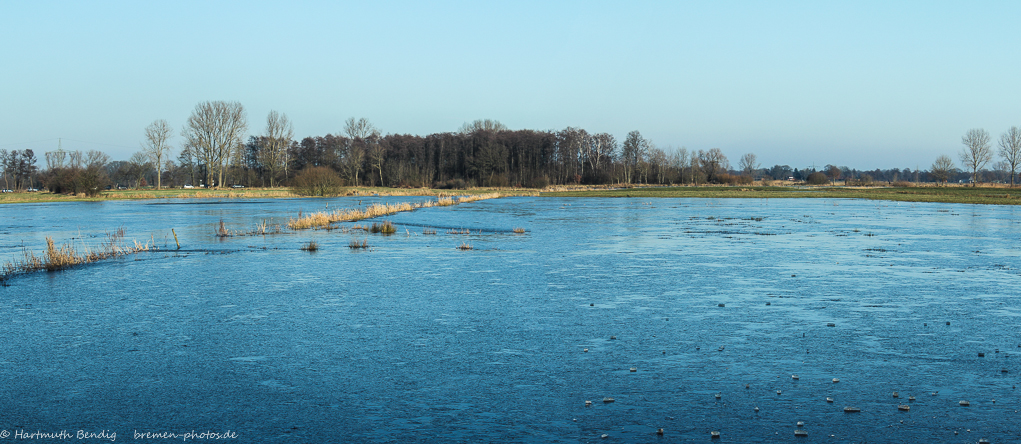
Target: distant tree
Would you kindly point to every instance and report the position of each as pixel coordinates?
(273, 147)
(817, 178)
(941, 169)
(317, 181)
(139, 165)
(213, 132)
(1010, 150)
(633, 151)
(748, 165)
(714, 164)
(482, 125)
(976, 153)
(833, 172)
(157, 146)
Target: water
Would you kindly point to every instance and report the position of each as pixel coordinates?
(417, 341)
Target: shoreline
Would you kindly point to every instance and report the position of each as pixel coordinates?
(992, 194)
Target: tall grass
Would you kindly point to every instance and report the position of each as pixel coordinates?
(323, 219)
(355, 245)
(66, 255)
(311, 246)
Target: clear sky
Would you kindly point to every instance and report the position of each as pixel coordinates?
(866, 84)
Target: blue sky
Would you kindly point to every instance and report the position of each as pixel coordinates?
(863, 84)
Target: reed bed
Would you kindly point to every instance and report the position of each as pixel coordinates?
(355, 245)
(310, 247)
(464, 246)
(428, 231)
(519, 230)
(322, 219)
(386, 227)
(67, 256)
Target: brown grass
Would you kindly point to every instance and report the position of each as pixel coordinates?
(311, 246)
(323, 219)
(464, 246)
(519, 230)
(355, 245)
(67, 256)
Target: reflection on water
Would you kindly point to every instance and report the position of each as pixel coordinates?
(417, 341)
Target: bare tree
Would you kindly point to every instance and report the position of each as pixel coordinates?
(96, 159)
(748, 164)
(482, 125)
(941, 169)
(714, 163)
(359, 129)
(215, 130)
(273, 155)
(140, 164)
(1010, 150)
(976, 153)
(157, 147)
(600, 146)
(633, 151)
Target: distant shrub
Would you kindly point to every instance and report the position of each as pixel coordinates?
(903, 184)
(317, 181)
(89, 181)
(451, 184)
(817, 178)
(538, 182)
(863, 181)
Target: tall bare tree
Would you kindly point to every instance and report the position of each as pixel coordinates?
(714, 163)
(748, 164)
(941, 169)
(633, 151)
(157, 146)
(976, 153)
(215, 130)
(1010, 150)
(359, 129)
(139, 165)
(273, 155)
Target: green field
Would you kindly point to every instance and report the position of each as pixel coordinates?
(239, 193)
(980, 195)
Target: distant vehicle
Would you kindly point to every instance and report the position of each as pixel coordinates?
(237, 186)
(7, 191)
(32, 190)
(188, 186)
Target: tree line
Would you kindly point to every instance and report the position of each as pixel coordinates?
(215, 152)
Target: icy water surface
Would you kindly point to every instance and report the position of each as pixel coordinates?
(417, 341)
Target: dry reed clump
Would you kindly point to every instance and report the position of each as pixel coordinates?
(386, 227)
(462, 231)
(519, 230)
(66, 256)
(464, 246)
(355, 245)
(322, 219)
(311, 246)
(428, 231)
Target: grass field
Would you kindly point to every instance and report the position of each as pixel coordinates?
(242, 193)
(984, 195)
(979, 195)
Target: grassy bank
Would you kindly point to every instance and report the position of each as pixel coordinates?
(245, 193)
(969, 195)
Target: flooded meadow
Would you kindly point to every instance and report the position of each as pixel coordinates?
(606, 320)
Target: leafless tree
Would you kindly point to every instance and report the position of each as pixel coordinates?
(600, 147)
(482, 125)
(1010, 150)
(377, 154)
(215, 130)
(157, 146)
(976, 153)
(140, 164)
(96, 159)
(633, 151)
(359, 129)
(714, 163)
(941, 169)
(273, 155)
(748, 164)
